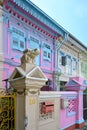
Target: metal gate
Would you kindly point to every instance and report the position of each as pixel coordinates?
(7, 112)
(85, 106)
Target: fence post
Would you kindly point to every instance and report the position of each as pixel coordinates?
(27, 79)
(79, 118)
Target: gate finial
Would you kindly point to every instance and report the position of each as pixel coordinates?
(29, 55)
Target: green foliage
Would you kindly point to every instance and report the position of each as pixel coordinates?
(85, 91)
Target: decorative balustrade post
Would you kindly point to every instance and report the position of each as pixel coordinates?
(27, 79)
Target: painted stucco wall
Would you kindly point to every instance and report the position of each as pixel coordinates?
(59, 119)
(73, 52)
(50, 120)
(12, 56)
(83, 64)
(68, 114)
(36, 25)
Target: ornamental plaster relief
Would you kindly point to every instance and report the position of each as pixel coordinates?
(40, 15)
(70, 50)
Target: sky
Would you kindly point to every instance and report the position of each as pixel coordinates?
(70, 14)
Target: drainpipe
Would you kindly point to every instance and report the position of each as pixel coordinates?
(57, 73)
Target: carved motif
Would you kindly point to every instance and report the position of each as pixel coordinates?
(29, 55)
(39, 16)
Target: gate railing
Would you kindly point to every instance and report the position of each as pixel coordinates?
(7, 112)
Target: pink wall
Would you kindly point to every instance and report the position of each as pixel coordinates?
(68, 118)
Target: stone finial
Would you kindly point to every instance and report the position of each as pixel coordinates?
(29, 55)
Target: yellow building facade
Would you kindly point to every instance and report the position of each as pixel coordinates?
(72, 60)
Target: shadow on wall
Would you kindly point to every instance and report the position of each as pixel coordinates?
(48, 86)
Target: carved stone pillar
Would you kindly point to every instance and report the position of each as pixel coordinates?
(27, 79)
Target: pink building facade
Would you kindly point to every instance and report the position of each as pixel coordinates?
(26, 26)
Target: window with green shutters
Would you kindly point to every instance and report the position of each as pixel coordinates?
(84, 69)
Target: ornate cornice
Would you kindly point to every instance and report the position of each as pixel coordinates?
(77, 43)
(37, 13)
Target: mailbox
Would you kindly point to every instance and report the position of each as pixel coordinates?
(47, 107)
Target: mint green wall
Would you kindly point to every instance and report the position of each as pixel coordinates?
(84, 69)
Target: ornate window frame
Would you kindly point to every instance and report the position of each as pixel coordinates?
(18, 39)
(47, 52)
